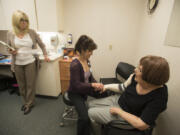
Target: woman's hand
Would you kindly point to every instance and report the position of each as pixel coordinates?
(132, 119)
(12, 52)
(46, 58)
(115, 110)
(98, 86)
(103, 90)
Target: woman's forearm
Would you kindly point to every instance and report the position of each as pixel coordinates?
(119, 87)
(133, 120)
(115, 87)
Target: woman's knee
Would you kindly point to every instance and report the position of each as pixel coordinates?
(99, 115)
(89, 104)
(92, 103)
(92, 113)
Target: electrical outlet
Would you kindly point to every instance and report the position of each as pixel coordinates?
(110, 47)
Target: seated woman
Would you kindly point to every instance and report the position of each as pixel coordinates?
(144, 96)
(82, 82)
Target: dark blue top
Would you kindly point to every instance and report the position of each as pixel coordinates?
(147, 106)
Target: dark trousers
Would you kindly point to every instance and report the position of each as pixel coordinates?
(79, 101)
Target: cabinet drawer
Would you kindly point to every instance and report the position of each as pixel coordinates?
(64, 70)
(64, 65)
(64, 74)
(64, 86)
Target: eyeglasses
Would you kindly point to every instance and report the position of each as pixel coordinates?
(139, 69)
(23, 20)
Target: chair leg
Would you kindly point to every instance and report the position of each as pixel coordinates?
(68, 114)
(63, 115)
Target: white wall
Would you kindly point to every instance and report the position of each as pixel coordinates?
(3, 24)
(173, 31)
(108, 22)
(151, 41)
(60, 15)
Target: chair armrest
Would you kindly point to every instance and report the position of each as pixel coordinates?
(126, 126)
(120, 124)
(109, 80)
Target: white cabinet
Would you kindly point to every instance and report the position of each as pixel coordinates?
(3, 25)
(44, 15)
(9, 6)
(48, 79)
(49, 14)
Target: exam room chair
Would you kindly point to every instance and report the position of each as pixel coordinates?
(69, 113)
(122, 72)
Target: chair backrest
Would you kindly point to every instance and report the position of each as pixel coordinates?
(124, 70)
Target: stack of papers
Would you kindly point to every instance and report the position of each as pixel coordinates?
(5, 61)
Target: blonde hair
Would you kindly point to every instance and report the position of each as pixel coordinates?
(16, 18)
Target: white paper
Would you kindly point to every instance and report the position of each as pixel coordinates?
(3, 43)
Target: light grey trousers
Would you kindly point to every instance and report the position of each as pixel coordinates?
(25, 76)
(99, 112)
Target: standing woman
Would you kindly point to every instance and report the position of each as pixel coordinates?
(82, 82)
(24, 39)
